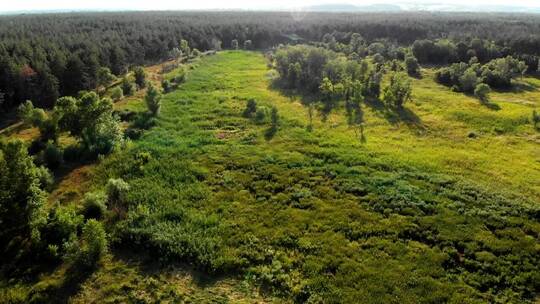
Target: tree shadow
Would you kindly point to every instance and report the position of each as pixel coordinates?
(148, 265)
(490, 105)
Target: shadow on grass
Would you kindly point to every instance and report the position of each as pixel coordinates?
(148, 265)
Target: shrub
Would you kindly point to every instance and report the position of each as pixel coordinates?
(127, 87)
(140, 77)
(73, 153)
(412, 65)
(21, 198)
(103, 136)
(398, 90)
(166, 85)
(94, 205)
(87, 253)
(117, 190)
(46, 180)
(117, 93)
(153, 100)
(53, 156)
(181, 77)
(260, 115)
(251, 108)
(481, 91)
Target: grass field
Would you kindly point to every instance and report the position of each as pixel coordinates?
(417, 212)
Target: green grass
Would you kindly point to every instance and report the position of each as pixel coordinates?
(418, 213)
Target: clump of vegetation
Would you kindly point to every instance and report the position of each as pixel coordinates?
(94, 205)
(117, 93)
(411, 63)
(482, 91)
(127, 87)
(251, 108)
(22, 213)
(86, 253)
(140, 77)
(398, 90)
(153, 100)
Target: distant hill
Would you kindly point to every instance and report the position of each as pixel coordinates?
(353, 8)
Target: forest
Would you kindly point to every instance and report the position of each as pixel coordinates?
(269, 157)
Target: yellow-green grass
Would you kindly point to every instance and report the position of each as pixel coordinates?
(322, 215)
(418, 213)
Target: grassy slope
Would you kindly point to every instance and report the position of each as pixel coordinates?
(322, 215)
(319, 213)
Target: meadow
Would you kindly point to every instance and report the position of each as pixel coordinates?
(436, 203)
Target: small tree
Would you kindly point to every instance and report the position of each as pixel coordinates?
(140, 77)
(468, 81)
(166, 85)
(153, 100)
(117, 93)
(93, 244)
(248, 44)
(104, 77)
(412, 65)
(398, 90)
(251, 108)
(22, 201)
(195, 53)
(482, 91)
(234, 44)
(184, 47)
(127, 87)
(274, 123)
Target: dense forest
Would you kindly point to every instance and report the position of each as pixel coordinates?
(311, 157)
(43, 57)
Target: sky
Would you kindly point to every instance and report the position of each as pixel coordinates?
(27, 5)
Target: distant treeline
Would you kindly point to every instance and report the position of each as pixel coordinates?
(43, 57)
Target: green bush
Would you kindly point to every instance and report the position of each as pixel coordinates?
(117, 190)
(117, 93)
(86, 253)
(94, 205)
(153, 100)
(251, 108)
(127, 87)
(53, 156)
(261, 115)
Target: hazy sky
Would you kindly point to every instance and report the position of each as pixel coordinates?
(15, 5)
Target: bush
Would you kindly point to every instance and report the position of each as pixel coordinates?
(53, 156)
(412, 65)
(103, 136)
(73, 153)
(260, 115)
(180, 78)
(94, 205)
(87, 253)
(46, 180)
(398, 90)
(166, 85)
(481, 91)
(117, 190)
(251, 108)
(117, 93)
(127, 87)
(153, 100)
(140, 77)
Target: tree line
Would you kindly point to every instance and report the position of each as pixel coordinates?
(46, 56)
